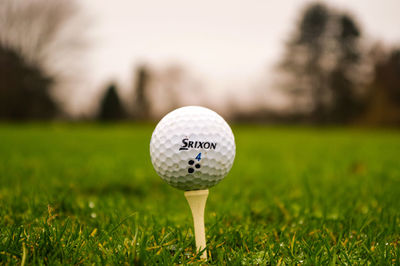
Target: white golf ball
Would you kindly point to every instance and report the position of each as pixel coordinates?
(192, 148)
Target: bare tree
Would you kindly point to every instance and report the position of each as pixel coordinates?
(43, 39)
(173, 79)
(172, 86)
(142, 105)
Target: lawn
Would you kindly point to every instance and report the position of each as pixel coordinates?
(88, 194)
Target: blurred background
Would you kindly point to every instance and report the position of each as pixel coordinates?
(324, 62)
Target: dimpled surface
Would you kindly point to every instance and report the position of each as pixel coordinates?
(199, 166)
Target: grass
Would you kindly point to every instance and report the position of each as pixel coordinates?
(87, 194)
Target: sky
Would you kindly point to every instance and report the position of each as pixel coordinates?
(226, 43)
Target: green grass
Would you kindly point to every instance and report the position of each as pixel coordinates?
(87, 194)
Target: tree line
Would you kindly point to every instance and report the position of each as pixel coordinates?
(330, 73)
(327, 71)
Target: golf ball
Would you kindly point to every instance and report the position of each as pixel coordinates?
(192, 148)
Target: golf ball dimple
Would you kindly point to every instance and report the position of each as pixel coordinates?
(192, 148)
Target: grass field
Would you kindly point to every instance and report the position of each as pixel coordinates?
(80, 194)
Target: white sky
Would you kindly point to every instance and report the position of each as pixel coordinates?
(224, 41)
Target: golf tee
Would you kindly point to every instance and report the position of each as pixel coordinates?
(197, 202)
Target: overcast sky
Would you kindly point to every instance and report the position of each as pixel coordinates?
(221, 41)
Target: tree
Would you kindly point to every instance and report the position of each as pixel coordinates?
(345, 104)
(383, 105)
(142, 106)
(37, 46)
(111, 107)
(391, 75)
(303, 55)
(23, 89)
(318, 59)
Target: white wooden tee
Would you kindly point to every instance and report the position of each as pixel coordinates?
(197, 202)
